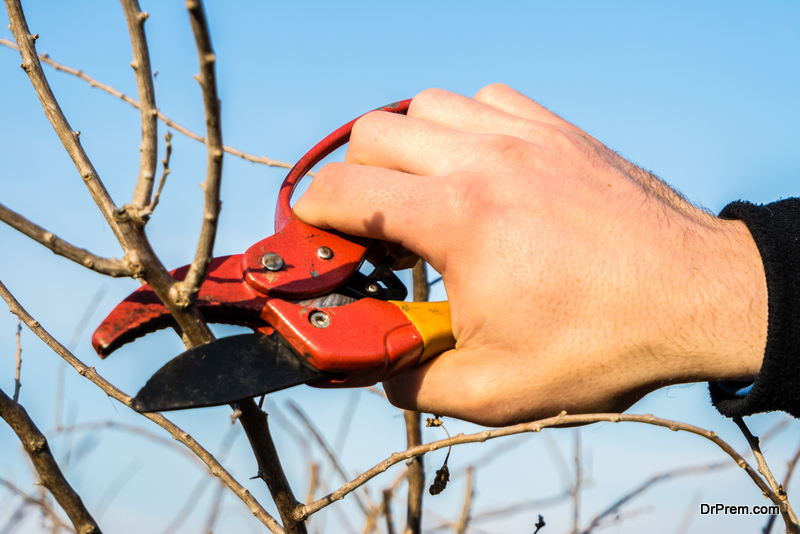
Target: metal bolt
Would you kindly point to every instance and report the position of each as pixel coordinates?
(324, 253)
(272, 261)
(373, 288)
(320, 319)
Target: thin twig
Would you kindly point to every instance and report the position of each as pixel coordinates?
(415, 474)
(131, 429)
(313, 481)
(148, 211)
(18, 358)
(69, 138)
(787, 512)
(576, 488)
(264, 160)
(112, 391)
(330, 453)
(789, 471)
(147, 103)
(50, 475)
(647, 484)
(463, 521)
(208, 83)
(36, 501)
(387, 510)
(108, 266)
(563, 419)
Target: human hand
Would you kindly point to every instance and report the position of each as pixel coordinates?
(577, 281)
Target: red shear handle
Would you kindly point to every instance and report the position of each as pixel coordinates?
(308, 261)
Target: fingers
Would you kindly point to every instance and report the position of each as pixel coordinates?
(407, 144)
(374, 202)
(506, 99)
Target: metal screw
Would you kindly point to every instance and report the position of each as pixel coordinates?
(373, 288)
(272, 261)
(320, 319)
(324, 253)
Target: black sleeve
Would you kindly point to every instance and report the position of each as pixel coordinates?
(776, 230)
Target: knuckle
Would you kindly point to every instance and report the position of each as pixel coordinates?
(426, 100)
(493, 92)
(363, 132)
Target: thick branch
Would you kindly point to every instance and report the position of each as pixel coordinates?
(415, 474)
(109, 389)
(208, 82)
(50, 475)
(269, 466)
(264, 160)
(558, 421)
(68, 137)
(147, 99)
(107, 266)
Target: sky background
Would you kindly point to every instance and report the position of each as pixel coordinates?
(704, 94)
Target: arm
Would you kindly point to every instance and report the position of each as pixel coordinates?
(577, 281)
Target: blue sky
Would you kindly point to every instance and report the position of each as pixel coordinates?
(704, 94)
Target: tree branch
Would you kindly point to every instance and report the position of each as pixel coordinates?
(463, 521)
(535, 426)
(144, 83)
(18, 358)
(36, 501)
(112, 391)
(148, 211)
(69, 138)
(109, 267)
(269, 466)
(208, 82)
(45, 58)
(789, 517)
(50, 475)
(415, 474)
(616, 505)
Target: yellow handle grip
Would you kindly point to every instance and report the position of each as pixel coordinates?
(432, 320)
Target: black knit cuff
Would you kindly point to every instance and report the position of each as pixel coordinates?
(776, 230)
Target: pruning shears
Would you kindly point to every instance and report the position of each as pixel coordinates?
(315, 317)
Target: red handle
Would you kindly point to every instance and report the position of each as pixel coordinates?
(314, 261)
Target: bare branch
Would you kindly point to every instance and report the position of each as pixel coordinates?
(112, 391)
(387, 510)
(616, 505)
(50, 475)
(208, 82)
(270, 470)
(330, 453)
(147, 100)
(463, 521)
(562, 419)
(37, 501)
(789, 517)
(69, 138)
(45, 58)
(109, 267)
(148, 211)
(789, 471)
(18, 358)
(415, 473)
(576, 488)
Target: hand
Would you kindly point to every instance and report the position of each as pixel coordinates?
(577, 281)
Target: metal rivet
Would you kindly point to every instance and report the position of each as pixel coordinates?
(272, 261)
(324, 253)
(320, 319)
(373, 288)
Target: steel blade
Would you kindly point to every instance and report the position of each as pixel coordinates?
(225, 371)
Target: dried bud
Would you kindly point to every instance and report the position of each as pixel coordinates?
(441, 480)
(433, 421)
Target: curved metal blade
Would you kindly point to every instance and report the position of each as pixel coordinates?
(225, 371)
